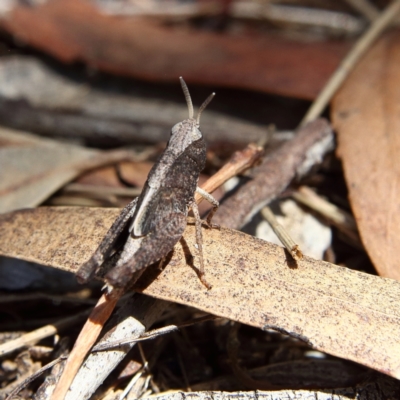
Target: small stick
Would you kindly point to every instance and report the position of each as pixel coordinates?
(282, 234)
(88, 335)
(239, 162)
(348, 63)
(154, 333)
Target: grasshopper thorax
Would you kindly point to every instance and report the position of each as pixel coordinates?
(188, 128)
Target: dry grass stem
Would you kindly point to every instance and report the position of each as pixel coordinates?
(154, 333)
(282, 234)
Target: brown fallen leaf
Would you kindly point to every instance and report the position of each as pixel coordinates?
(72, 30)
(366, 117)
(33, 168)
(346, 313)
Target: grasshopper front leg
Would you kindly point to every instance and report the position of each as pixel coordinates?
(211, 200)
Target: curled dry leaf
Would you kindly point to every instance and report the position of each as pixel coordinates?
(33, 168)
(366, 116)
(346, 313)
(75, 30)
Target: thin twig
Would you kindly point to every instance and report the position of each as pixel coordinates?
(151, 334)
(348, 63)
(282, 234)
(88, 335)
(239, 162)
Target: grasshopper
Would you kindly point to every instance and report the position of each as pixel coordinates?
(158, 217)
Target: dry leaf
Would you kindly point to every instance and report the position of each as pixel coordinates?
(72, 30)
(342, 312)
(32, 168)
(366, 116)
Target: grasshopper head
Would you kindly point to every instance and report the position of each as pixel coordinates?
(184, 133)
(190, 104)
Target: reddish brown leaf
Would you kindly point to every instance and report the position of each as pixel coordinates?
(346, 313)
(367, 118)
(74, 30)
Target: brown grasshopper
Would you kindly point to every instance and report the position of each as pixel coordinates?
(158, 217)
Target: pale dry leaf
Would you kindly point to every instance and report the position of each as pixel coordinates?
(366, 116)
(32, 168)
(346, 313)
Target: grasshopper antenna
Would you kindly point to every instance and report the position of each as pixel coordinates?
(187, 97)
(204, 105)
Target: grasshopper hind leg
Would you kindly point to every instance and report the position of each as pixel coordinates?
(199, 241)
(90, 267)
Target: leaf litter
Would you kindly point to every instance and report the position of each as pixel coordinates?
(366, 117)
(332, 309)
